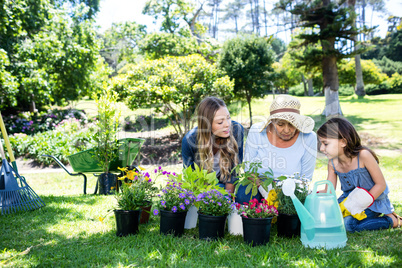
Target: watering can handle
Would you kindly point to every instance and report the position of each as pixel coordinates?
(330, 188)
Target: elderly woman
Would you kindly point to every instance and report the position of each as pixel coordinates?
(285, 143)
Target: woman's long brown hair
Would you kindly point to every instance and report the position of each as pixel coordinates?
(227, 147)
(340, 128)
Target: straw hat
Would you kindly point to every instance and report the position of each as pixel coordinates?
(287, 108)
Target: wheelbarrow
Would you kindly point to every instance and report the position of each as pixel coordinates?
(84, 162)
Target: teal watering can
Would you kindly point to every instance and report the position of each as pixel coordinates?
(321, 218)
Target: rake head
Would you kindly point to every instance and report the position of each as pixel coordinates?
(15, 194)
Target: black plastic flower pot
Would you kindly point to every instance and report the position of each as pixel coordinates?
(146, 211)
(256, 232)
(127, 222)
(288, 225)
(211, 227)
(172, 222)
(106, 183)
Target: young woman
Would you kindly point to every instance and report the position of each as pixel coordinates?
(365, 192)
(216, 144)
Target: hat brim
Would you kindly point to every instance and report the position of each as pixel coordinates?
(302, 123)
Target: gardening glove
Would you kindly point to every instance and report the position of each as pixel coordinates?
(358, 200)
(263, 192)
(360, 216)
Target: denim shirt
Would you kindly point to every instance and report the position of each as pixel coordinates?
(189, 147)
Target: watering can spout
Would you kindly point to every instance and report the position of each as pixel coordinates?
(306, 219)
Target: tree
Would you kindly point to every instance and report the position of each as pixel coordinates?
(174, 12)
(159, 45)
(359, 89)
(370, 72)
(330, 26)
(248, 60)
(233, 11)
(173, 86)
(50, 56)
(120, 43)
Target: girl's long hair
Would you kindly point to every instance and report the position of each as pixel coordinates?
(340, 128)
(227, 147)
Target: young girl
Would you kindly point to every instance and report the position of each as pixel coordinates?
(365, 192)
(216, 144)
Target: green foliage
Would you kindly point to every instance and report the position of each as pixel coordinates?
(68, 138)
(172, 13)
(214, 203)
(137, 190)
(248, 60)
(389, 86)
(32, 123)
(108, 124)
(390, 47)
(51, 56)
(173, 86)
(120, 43)
(279, 47)
(252, 179)
(198, 180)
(158, 45)
(174, 198)
(388, 66)
(285, 203)
(257, 210)
(371, 73)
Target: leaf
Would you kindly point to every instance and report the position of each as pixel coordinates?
(248, 189)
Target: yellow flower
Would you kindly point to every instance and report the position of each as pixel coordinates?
(124, 169)
(131, 175)
(274, 220)
(101, 219)
(272, 195)
(141, 168)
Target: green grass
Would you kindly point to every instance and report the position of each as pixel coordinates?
(68, 232)
(378, 116)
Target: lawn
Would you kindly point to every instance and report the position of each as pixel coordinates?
(70, 232)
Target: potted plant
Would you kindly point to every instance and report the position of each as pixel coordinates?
(254, 180)
(213, 210)
(133, 195)
(173, 204)
(256, 219)
(106, 137)
(288, 223)
(141, 177)
(197, 180)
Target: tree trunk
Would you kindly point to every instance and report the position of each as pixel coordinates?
(310, 87)
(359, 90)
(304, 84)
(331, 86)
(248, 97)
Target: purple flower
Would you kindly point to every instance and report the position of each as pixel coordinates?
(163, 202)
(156, 212)
(156, 170)
(174, 173)
(181, 195)
(182, 206)
(159, 167)
(187, 201)
(219, 204)
(174, 209)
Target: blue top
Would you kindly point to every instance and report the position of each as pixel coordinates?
(361, 177)
(189, 147)
(300, 157)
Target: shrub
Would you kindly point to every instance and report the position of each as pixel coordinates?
(30, 123)
(65, 140)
